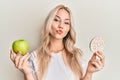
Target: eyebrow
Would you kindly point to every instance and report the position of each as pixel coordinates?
(60, 18)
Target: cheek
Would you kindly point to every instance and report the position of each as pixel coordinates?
(67, 29)
(52, 30)
(54, 24)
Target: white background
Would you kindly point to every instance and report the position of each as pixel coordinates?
(22, 19)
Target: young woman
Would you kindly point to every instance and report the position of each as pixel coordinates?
(57, 58)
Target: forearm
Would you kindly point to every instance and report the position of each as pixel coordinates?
(87, 76)
(29, 77)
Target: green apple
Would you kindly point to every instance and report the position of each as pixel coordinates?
(20, 45)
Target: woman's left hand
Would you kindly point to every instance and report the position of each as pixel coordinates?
(96, 62)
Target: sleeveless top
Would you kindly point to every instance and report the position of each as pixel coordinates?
(57, 69)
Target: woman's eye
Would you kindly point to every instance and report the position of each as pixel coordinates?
(56, 20)
(67, 23)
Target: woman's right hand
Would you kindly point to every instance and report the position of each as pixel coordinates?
(21, 62)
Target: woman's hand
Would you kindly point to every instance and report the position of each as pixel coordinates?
(21, 62)
(96, 62)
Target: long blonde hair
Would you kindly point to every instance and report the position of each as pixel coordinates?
(72, 52)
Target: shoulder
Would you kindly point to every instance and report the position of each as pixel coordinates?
(33, 60)
(33, 63)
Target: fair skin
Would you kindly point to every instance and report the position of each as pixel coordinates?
(59, 29)
(94, 65)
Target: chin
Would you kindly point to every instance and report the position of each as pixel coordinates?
(59, 37)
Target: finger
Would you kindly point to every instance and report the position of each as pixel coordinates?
(97, 64)
(102, 62)
(12, 56)
(93, 57)
(27, 57)
(101, 65)
(22, 60)
(25, 62)
(101, 56)
(17, 58)
(20, 63)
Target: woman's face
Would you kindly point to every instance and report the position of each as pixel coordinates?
(60, 24)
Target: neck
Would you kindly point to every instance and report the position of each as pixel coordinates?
(56, 45)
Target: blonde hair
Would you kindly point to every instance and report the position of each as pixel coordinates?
(69, 40)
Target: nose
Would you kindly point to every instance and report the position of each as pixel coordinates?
(61, 25)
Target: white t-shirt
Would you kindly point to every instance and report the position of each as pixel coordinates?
(57, 70)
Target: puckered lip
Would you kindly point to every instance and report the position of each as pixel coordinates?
(59, 31)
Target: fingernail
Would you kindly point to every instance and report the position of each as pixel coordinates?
(97, 57)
